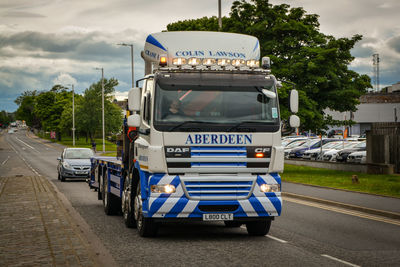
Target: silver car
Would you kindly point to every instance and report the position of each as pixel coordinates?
(74, 163)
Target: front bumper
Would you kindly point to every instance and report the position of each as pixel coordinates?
(184, 204)
(78, 174)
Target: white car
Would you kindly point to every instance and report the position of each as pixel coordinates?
(357, 157)
(317, 153)
(331, 154)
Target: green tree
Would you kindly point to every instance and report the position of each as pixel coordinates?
(5, 118)
(89, 112)
(315, 62)
(26, 103)
(50, 106)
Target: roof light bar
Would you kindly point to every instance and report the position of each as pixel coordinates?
(178, 61)
(194, 61)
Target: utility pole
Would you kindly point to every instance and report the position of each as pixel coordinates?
(131, 45)
(102, 106)
(219, 16)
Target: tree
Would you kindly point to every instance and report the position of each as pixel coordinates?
(315, 62)
(5, 118)
(89, 112)
(26, 102)
(50, 106)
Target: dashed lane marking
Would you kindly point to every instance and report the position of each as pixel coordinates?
(344, 211)
(26, 144)
(4, 162)
(339, 260)
(277, 239)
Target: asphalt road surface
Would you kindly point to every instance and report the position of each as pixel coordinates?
(302, 236)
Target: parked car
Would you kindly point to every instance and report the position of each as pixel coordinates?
(74, 163)
(315, 153)
(316, 143)
(343, 154)
(296, 144)
(357, 157)
(331, 154)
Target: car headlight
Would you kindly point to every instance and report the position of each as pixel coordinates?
(66, 165)
(267, 188)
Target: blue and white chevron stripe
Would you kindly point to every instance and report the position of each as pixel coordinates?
(181, 205)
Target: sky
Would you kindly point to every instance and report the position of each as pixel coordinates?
(48, 42)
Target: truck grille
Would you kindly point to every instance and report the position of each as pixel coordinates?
(207, 159)
(218, 187)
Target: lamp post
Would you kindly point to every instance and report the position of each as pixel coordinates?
(219, 16)
(73, 115)
(131, 45)
(102, 106)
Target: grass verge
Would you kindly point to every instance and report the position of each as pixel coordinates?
(81, 142)
(387, 185)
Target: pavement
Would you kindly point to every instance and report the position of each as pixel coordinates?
(38, 226)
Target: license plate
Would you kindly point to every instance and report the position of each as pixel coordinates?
(81, 172)
(218, 217)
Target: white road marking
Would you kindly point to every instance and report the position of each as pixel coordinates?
(344, 211)
(27, 164)
(276, 239)
(339, 260)
(270, 236)
(4, 162)
(26, 144)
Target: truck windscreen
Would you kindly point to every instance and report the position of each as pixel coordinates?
(215, 108)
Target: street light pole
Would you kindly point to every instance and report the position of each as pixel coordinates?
(219, 16)
(73, 115)
(131, 45)
(102, 106)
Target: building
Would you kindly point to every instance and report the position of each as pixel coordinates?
(373, 108)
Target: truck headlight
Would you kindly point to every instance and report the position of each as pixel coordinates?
(163, 188)
(267, 188)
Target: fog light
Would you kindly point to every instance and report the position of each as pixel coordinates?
(163, 188)
(267, 188)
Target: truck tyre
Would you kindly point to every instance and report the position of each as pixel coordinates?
(258, 228)
(233, 224)
(98, 175)
(146, 226)
(127, 202)
(110, 202)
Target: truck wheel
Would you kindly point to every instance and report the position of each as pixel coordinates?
(233, 224)
(127, 203)
(109, 200)
(258, 228)
(98, 175)
(146, 226)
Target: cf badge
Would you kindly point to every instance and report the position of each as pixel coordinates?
(177, 152)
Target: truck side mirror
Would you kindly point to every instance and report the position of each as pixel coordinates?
(294, 121)
(134, 98)
(134, 120)
(294, 101)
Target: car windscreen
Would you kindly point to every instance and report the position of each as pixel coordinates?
(78, 154)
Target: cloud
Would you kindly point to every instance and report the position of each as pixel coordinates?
(394, 43)
(64, 79)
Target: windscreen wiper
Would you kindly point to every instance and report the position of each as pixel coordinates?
(236, 126)
(186, 122)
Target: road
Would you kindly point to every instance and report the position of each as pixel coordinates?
(304, 235)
